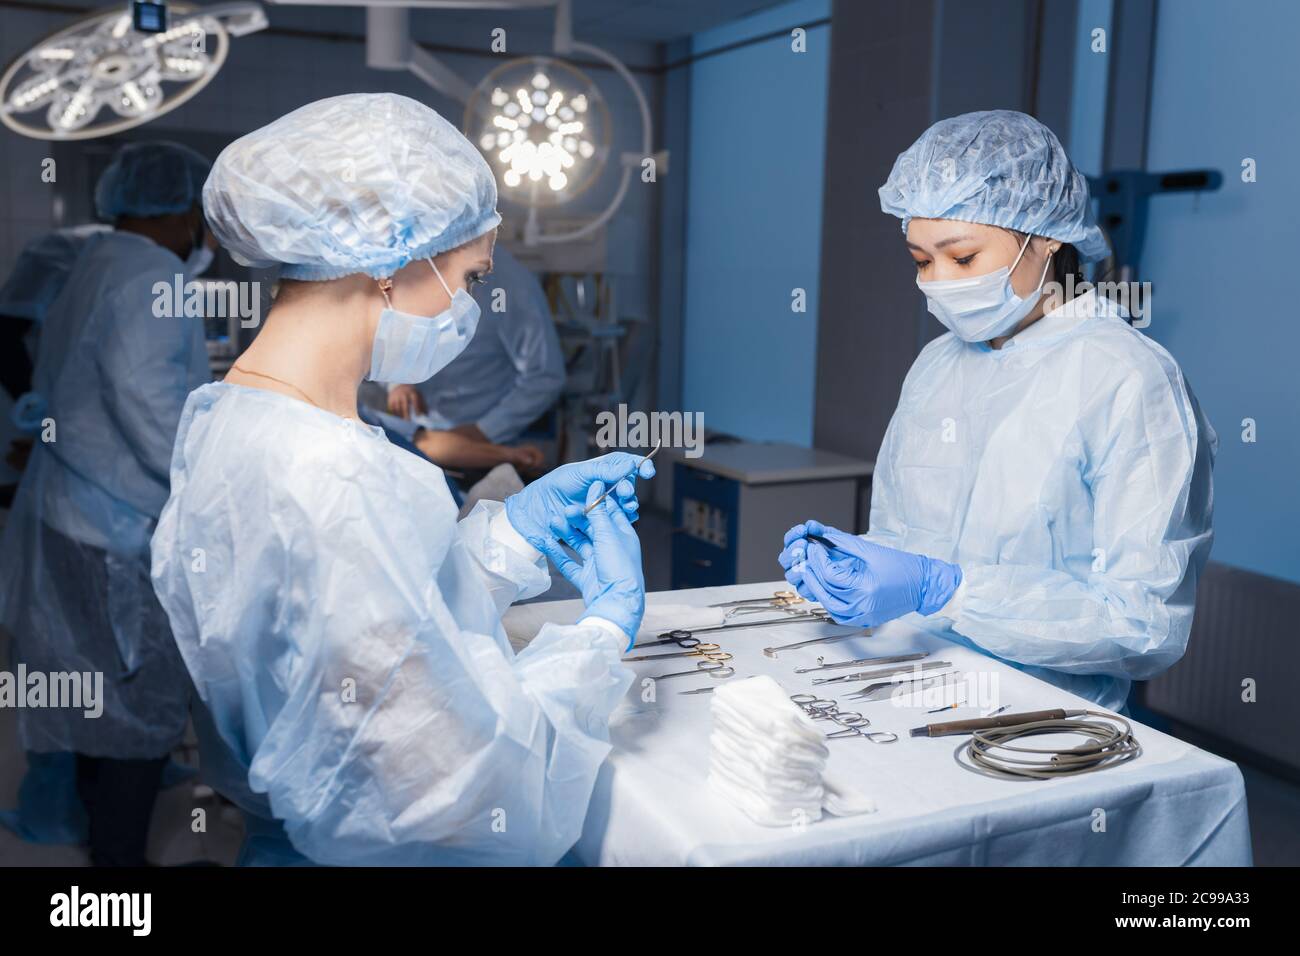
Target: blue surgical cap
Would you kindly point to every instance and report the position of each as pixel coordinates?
(998, 168)
(360, 183)
(151, 179)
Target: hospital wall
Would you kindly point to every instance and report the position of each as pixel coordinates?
(757, 140)
(1223, 93)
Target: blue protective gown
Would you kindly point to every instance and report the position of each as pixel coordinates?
(343, 632)
(1069, 475)
(74, 560)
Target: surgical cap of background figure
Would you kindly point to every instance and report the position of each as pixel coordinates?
(998, 168)
(151, 179)
(360, 183)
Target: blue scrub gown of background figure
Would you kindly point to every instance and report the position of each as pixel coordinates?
(1069, 475)
(362, 704)
(74, 563)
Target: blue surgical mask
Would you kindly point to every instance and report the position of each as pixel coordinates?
(410, 349)
(983, 307)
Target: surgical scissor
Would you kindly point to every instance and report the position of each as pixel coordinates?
(777, 598)
(686, 638)
(787, 602)
(884, 672)
(851, 722)
(711, 652)
(860, 662)
(715, 669)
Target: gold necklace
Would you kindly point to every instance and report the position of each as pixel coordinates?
(246, 371)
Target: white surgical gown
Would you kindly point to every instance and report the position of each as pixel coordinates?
(344, 633)
(1069, 475)
(74, 562)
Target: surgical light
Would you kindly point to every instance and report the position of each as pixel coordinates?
(543, 125)
(100, 75)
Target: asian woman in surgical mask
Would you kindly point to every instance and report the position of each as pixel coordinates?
(1043, 492)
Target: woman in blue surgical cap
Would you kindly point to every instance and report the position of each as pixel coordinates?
(1043, 492)
(360, 700)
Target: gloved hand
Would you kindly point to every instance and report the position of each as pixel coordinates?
(862, 583)
(562, 493)
(609, 576)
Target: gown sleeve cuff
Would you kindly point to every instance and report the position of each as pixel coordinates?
(953, 608)
(504, 533)
(609, 626)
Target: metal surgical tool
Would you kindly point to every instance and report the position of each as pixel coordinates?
(882, 673)
(772, 651)
(777, 598)
(685, 638)
(715, 669)
(861, 662)
(850, 721)
(882, 690)
(711, 652)
(786, 601)
(632, 478)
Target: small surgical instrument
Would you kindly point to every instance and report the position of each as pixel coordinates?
(777, 598)
(715, 669)
(786, 601)
(678, 636)
(710, 652)
(882, 673)
(772, 651)
(632, 478)
(851, 722)
(882, 690)
(860, 662)
(684, 641)
(953, 706)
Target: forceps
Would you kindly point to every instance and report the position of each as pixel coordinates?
(715, 669)
(883, 672)
(850, 721)
(771, 651)
(872, 691)
(711, 652)
(860, 662)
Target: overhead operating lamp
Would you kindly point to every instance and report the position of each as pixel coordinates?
(101, 75)
(542, 122)
(544, 126)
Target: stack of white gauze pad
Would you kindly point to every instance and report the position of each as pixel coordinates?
(768, 758)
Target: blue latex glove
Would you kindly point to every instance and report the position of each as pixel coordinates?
(861, 583)
(562, 493)
(609, 575)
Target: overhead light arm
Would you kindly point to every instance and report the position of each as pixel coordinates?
(389, 47)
